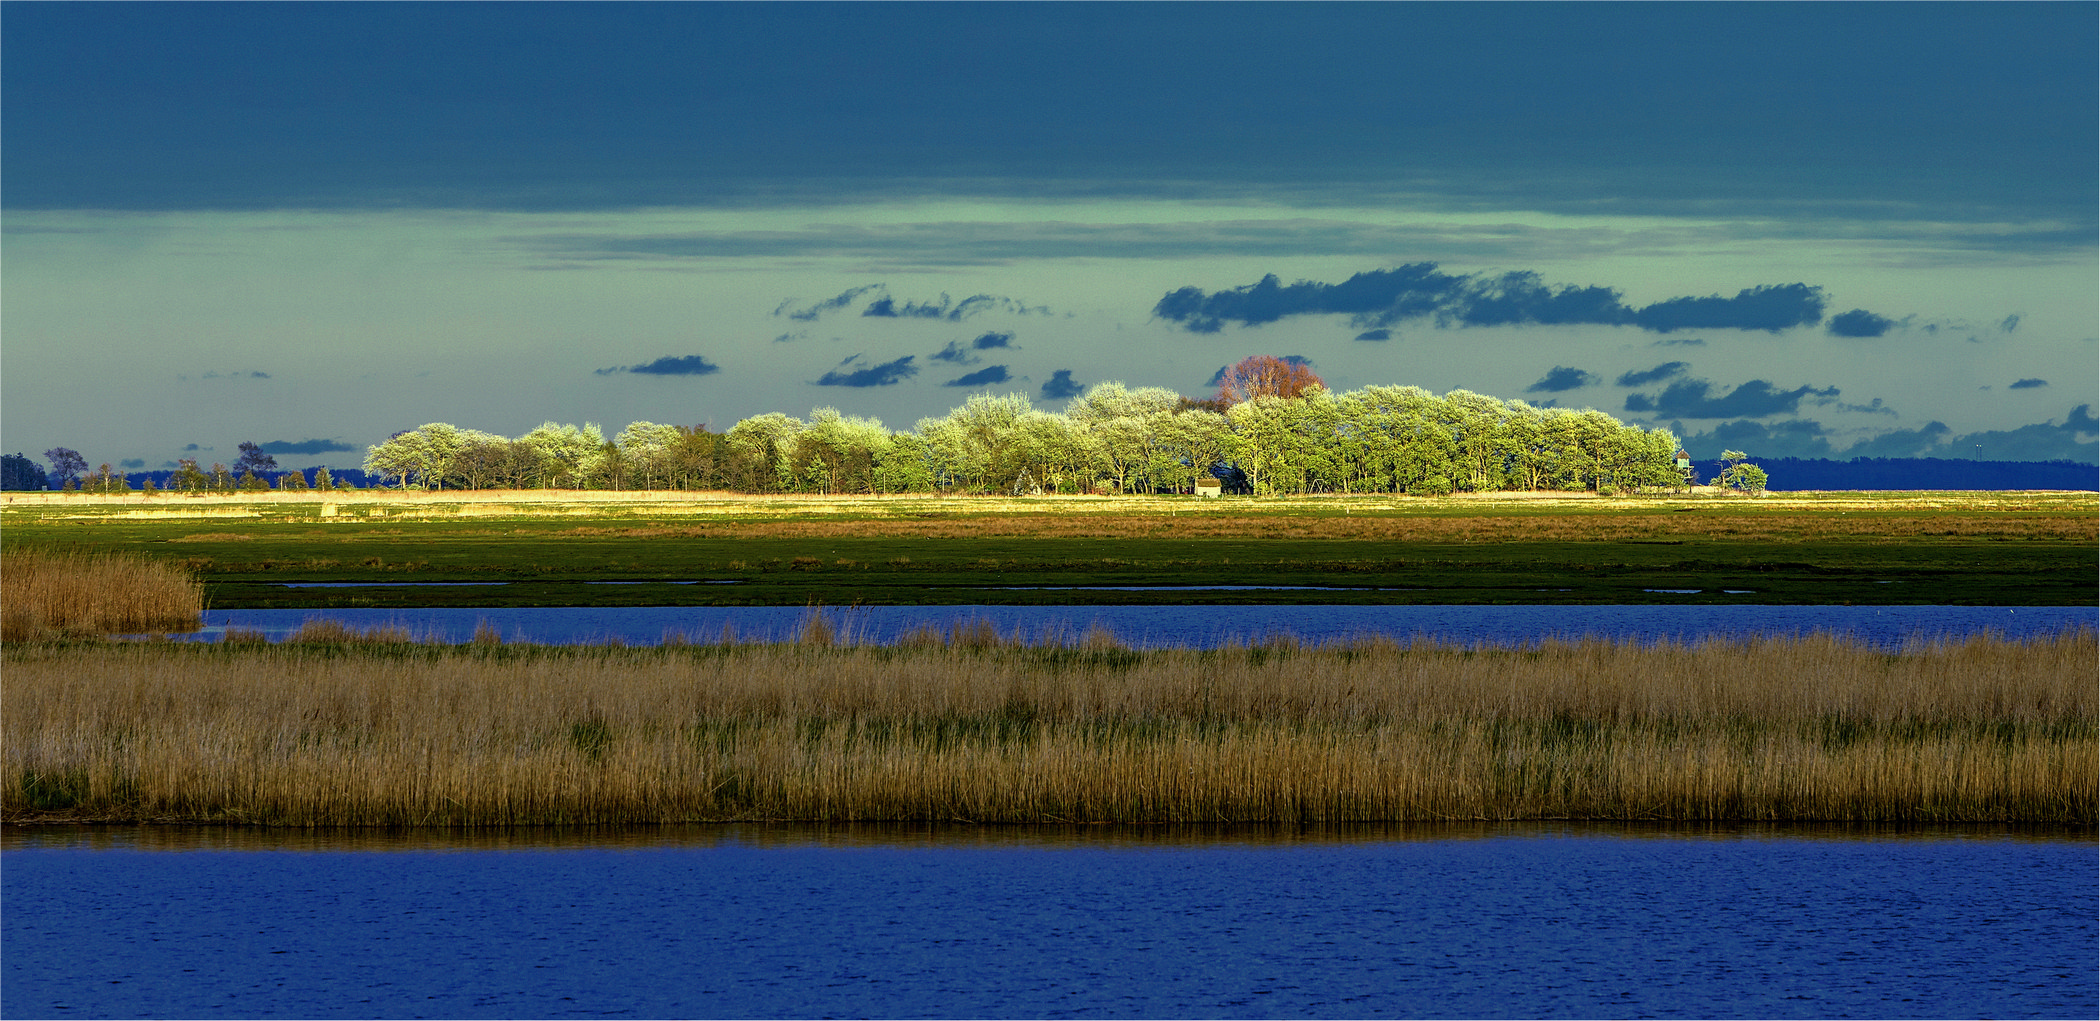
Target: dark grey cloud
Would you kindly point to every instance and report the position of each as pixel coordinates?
(1375, 335)
(1380, 298)
(960, 355)
(955, 353)
(237, 374)
(1218, 378)
(132, 462)
(1924, 441)
(1770, 308)
(1692, 398)
(982, 377)
(305, 447)
(192, 446)
(786, 337)
(880, 305)
(1873, 407)
(2009, 324)
(2029, 384)
(1060, 386)
(1679, 342)
(668, 365)
(886, 374)
(2073, 439)
(1859, 323)
(1794, 438)
(1561, 379)
(1654, 375)
(811, 312)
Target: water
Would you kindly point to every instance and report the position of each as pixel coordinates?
(1474, 921)
(1193, 626)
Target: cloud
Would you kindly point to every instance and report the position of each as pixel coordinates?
(1919, 442)
(1654, 375)
(1690, 398)
(1796, 438)
(954, 352)
(668, 365)
(304, 447)
(982, 377)
(1561, 378)
(960, 355)
(1873, 407)
(2029, 384)
(251, 374)
(1061, 387)
(810, 313)
(1859, 323)
(193, 446)
(886, 374)
(1679, 342)
(2069, 440)
(1771, 308)
(787, 337)
(132, 462)
(954, 312)
(1375, 335)
(2009, 324)
(1380, 298)
(1218, 378)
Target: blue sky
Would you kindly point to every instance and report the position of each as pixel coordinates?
(1814, 230)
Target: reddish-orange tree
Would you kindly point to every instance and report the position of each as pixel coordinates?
(1265, 375)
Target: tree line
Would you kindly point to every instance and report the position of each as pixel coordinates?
(1273, 427)
(1280, 432)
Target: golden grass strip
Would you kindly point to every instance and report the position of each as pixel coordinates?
(42, 594)
(367, 732)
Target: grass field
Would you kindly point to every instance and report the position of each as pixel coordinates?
(337, 728)
(549, 548)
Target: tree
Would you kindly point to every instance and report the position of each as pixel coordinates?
(322, 480)
(18, 472)
(1740, 475)
(66, 466)
(254, 459)
(1265, 376)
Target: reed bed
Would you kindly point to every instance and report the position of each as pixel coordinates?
(43, 594)
(348, 728)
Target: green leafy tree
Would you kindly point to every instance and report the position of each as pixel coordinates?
(1739, 474)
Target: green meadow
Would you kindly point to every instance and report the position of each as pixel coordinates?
(609, 549)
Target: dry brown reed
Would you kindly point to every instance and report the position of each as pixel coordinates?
(972, 726)
(44, 594)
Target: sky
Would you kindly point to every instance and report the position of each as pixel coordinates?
(1809, 230)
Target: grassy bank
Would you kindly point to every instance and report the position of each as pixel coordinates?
(45, 595)
(552, 549)
(342, 729)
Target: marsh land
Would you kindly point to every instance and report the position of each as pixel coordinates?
(550, 548)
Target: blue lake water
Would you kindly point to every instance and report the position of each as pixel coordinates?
(1193, 626)
(1535, 920)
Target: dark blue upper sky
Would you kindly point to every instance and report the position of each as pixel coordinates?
(1974, 111)
(1790, 228)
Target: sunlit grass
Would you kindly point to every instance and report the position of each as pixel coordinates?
(44, 594)
(963, 723)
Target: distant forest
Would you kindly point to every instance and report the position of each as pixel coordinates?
(1794, 474)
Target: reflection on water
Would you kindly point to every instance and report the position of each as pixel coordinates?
(762, 921)
(1193, 626)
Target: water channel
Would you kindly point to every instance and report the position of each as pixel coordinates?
(1462, 920)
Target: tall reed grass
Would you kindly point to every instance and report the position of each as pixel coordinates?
(43, 594)
(357, 729)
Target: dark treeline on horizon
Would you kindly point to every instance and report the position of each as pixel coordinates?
(1795, 474)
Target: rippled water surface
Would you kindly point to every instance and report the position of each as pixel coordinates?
(1475, 921)
(1198, 626)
